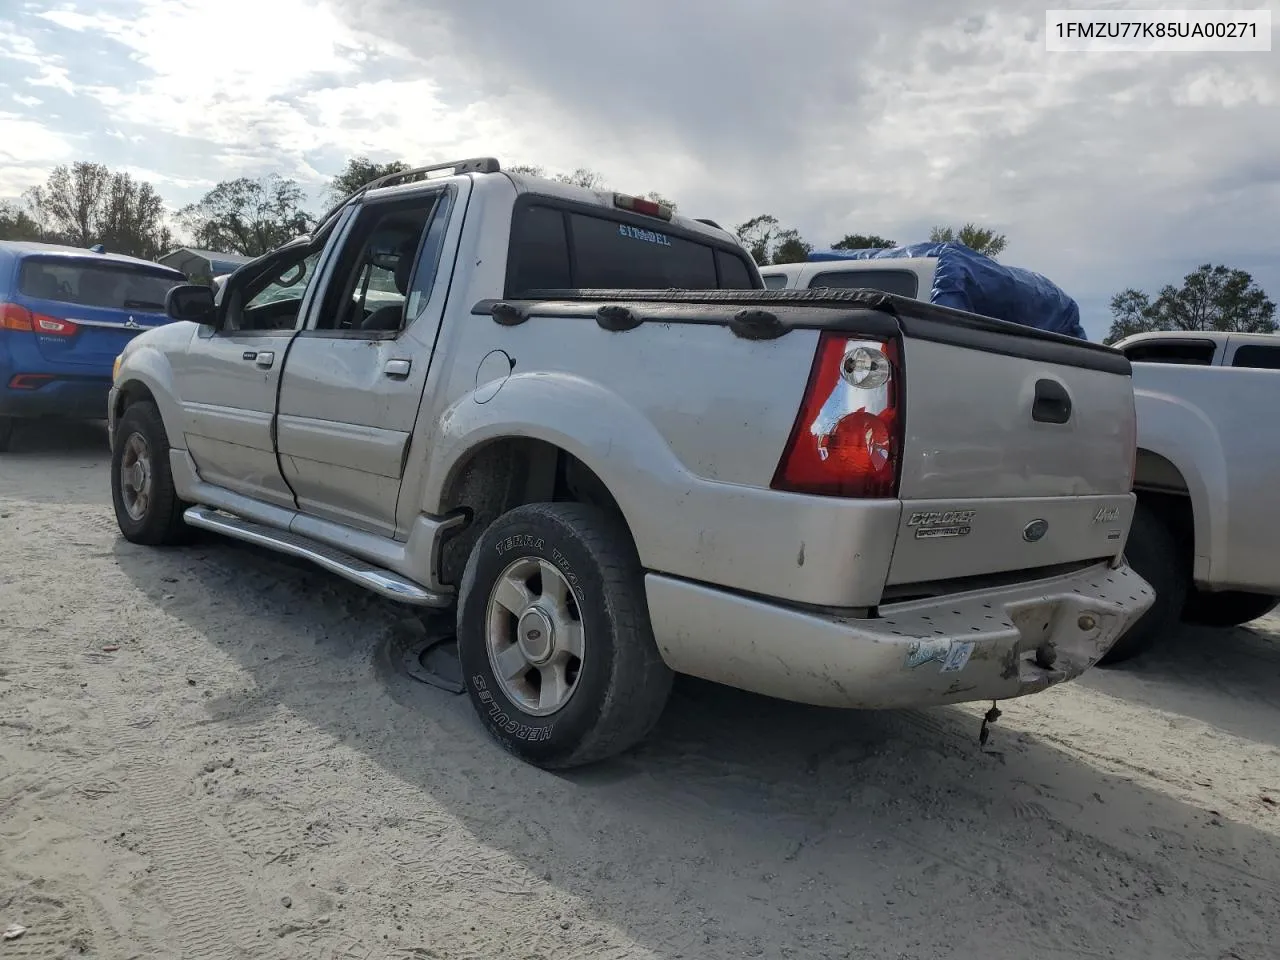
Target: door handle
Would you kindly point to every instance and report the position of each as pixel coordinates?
(265, 358)
(397, 369)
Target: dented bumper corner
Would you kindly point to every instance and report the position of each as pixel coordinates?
(983, 645)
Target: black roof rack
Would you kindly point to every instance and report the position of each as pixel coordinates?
(455, 167)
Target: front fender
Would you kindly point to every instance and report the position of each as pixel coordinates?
(1178, 430)
(146, 364)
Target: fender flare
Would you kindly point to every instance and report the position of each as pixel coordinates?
(583, 417)
(1184, 435)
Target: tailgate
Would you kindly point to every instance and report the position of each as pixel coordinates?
(1018, 452)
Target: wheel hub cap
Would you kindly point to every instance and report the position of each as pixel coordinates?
(536, 635)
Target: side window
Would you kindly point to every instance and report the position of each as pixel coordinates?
(287, 284)
(373, 281)
(902, 283)
(1197, 353)
(1258, 356)
(774, 281)
(541, 251)
(271, 302)
(734, 274)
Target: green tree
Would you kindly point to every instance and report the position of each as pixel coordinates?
(768, 243)
(984, 241)
(87, 203)
(17, 224)
(358, 172)
(247, 216)
(863, 241)
(790, 247)
(1211, 298)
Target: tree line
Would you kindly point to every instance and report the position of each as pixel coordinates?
(82, 204)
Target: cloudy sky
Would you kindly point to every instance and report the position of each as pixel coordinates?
(886, 116)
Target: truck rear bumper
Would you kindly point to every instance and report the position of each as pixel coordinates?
(983, 645)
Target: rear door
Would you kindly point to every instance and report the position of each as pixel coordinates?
(86, 309)
(355, 375)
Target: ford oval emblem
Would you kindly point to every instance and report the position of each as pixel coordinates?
(1035, 530)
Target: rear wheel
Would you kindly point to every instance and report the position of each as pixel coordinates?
(6, 433)
(147, 506)
(1155, 553)
(554, 637)
(1229, 608)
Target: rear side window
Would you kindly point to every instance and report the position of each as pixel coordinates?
(118, 286)
(774, 281)
(902, 283)
(1257, 356)
(1197, 353)
(554, 249)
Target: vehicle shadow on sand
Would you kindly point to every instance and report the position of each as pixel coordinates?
(746, 826)
(1227, 678)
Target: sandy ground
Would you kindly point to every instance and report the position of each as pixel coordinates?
(249, 775)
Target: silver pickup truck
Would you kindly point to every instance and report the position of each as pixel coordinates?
(584, 425)
(1206, 532)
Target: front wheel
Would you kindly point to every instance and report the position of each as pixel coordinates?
(554, 638)
(1227, 608)
(147, 507)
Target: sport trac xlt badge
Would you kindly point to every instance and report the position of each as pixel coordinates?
(930, 525)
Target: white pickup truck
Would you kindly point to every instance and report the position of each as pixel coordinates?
(586, 426)
(1207, 533)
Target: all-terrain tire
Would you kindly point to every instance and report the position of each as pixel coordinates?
(1227, 608)
(622, 684)
(1155, 553)
(160, 523)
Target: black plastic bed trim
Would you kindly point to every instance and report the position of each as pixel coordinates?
(868, 312)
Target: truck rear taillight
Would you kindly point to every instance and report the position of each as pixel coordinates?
(16, 317)
(847, 438)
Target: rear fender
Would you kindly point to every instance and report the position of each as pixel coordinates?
(817, 550)
(1183, 434)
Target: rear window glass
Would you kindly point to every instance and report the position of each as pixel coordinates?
(1193, 352)
(1257, 356)
(903, 283)
(87, 284)
(555, 249)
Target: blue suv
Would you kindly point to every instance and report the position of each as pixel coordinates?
(65, 314)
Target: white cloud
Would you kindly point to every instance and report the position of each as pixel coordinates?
(1104, 171)
(27, 101)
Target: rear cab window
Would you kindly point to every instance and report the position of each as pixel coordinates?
(1257, 356)
(558, 245)
(1197, 353)
(98, 284)
(903, 283)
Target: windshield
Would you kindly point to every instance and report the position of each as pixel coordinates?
(118, 286)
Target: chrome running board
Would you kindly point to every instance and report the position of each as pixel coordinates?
(380, 581)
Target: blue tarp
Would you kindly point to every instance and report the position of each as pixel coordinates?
(967, 280)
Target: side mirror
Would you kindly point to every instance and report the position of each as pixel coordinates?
(190, 301)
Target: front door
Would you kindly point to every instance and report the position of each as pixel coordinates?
(355, 375)
(231, 376)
